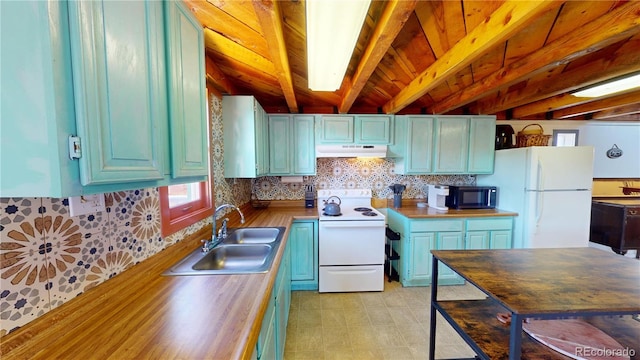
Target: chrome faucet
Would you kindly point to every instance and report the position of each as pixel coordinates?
(216, 238)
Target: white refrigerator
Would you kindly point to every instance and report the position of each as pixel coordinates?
(550, 189)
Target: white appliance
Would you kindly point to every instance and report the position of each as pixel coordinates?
(550, 188)
(351, 244)
(437, 196)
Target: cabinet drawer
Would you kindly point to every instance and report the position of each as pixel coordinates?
(489, 224)
(439, 225)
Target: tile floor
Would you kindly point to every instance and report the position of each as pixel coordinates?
(393, 324)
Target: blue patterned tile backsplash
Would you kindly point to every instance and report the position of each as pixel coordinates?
(48, 257)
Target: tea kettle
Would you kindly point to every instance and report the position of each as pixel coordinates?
(331, 208)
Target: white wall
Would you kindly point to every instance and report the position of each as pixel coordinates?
(602, 136)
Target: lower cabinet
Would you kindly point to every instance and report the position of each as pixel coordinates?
(419, 236)
(303, 242)
(273, 333)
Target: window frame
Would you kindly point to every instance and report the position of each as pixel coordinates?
(186, 214)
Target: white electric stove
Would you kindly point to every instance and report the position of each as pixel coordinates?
(350, 243)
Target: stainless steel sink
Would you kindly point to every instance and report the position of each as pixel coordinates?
(255, 235)
(243, 251)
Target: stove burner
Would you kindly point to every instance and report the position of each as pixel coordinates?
(369, 213)
(325, 214)
(362, 209)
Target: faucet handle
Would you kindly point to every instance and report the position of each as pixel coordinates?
(205, 245)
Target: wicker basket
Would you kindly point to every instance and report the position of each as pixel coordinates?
(532, 137)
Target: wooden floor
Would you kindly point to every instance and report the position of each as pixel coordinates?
(393, 324)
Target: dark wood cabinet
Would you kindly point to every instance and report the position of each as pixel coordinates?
(616, 223)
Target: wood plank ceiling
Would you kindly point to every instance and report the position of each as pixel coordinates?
(515, 59)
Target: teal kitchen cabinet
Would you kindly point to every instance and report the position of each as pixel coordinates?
(291, 145)
(355, 129)
(283, 302)
(489, 233)
(443, 144)
(414, 145)
(246, 137)
(451, 145)
(448, 235)
(373, 129)
(92, 114)
(273, 333)
(119, 79)
(336, 129)
(187, 92)
(419, 236)
(482, 143)
(303, 240)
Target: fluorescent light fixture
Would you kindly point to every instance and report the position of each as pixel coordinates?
(611, 87)
(333, 27)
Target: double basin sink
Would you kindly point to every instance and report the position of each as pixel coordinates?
(244, 251)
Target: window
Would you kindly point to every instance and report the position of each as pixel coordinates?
(565, 137)
(184, 205)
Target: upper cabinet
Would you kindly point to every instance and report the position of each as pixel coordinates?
(118, 63)
(246, 137)
(444, 144)
(86, 107)
(291, 145)
(355, 129)
(187, 92)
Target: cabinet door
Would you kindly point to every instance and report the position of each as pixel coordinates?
(373, 129)
(304, 255)
(304, 147)
(451, 145)
(419, 268)
(475, 240)
(187, 92)
(262, 140)
(119, 78)
(501, 239)
(280, 145)
(448, 241)
(337, 129)
(482, 135)
(419, 145)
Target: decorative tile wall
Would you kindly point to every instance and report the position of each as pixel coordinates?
(352, 173)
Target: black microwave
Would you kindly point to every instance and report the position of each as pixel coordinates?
(471, 197)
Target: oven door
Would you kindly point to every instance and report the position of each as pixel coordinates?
(351, 242)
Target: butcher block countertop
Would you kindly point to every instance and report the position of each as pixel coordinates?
(411, 210)
(141, 314)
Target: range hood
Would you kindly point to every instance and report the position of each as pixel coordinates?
(377, 151)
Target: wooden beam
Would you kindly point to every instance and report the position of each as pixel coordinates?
(620, 23)
(509, 18)
(393, 18)
(629, 109)
(598, 105)
(625, 60)
(268, 13)
(217, 77)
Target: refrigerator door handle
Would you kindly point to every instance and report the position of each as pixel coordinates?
(539, 206)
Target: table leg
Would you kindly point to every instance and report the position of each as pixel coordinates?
(434, 298)
(515, 337)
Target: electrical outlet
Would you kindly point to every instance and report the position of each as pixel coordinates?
(86, 204)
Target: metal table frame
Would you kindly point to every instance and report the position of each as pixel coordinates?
(515, 335)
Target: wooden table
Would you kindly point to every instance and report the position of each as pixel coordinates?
(538, 283)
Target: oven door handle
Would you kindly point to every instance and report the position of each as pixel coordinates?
(351, 224)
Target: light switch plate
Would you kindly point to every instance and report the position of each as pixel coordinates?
(86, 204)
